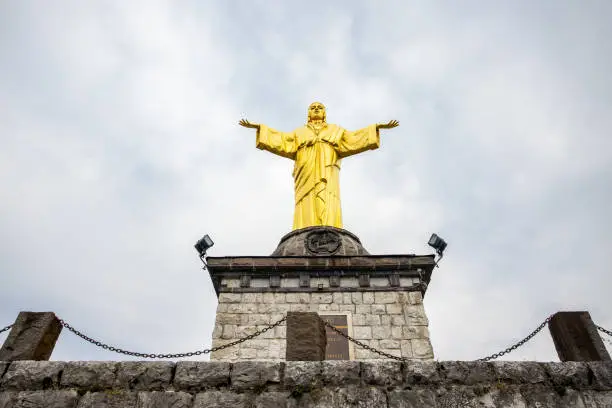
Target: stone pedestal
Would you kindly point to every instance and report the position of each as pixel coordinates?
(377, 299)
(32, 337)
(305, 337)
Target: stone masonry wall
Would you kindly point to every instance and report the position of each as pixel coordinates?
(394, 322)
(329, 384)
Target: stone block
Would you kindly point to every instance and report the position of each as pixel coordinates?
(421, 372)
(386, 373)
(415, 332)
(568, 374)
(298, 298)
(368, 298)
(254, 374)
(329, 307)
(341, 372)
(421, 348)
(351, 396)
(32, 337)
(228, 318)
(144, 376)
(41, 399)
(362, 332)
(272, 400)
(217, 331)
(390, 344)
(413, 399)
(161, 399)
(89, 375)
(602, 374)
(300, 307)
(268, 298)
(479, 372)
(394, 308)
(363, 309)
(416, 298)
(381, 332)
(201, 375)
(406, 348)
(592, 399)
(359, 320)
(230, 297)
(385, 297)
(229, 331)
(576, 337)
(398, 320)
(252, 298)
(373, 320)
(525, 372)
(303, 374)
(230, 353)
(279, 298)
(396, 333)
(378, 309)
(415, 315)
(347, 308)
(222, 399)
(322, 298)
(247, 353)
(346, 298)
(259, 319)
(109, 399)
(306, 338)
(31, 375)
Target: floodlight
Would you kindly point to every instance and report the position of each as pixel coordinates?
(203, 245)
(437, 243)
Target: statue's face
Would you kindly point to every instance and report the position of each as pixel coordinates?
(316, 111)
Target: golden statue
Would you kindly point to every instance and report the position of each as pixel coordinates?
(317, 149)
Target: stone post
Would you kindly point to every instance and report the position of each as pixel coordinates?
(32, 337)
(306, 339)
(576, 338)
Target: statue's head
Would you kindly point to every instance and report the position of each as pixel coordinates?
(316, 111)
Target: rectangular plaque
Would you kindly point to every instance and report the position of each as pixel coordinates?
(337, 345)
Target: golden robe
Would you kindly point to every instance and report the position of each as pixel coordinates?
(317, 167)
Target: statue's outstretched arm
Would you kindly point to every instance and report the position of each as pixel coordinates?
(389, 125)
(247, 124)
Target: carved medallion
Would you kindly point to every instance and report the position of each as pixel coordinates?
(323, 242)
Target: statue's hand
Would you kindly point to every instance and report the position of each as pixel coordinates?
(247, 124)
(389, 125)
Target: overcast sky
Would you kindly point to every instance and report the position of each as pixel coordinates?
(120, 148)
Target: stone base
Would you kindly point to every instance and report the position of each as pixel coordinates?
(333, 384)
(319, 241)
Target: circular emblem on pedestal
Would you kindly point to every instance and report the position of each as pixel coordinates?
(325, 242)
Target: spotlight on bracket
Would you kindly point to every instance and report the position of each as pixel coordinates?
(203, 245)
(438, 244)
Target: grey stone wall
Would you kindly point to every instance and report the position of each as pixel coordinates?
(332, 384)
(391, 321)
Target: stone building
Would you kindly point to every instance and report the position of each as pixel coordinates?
(377, 299)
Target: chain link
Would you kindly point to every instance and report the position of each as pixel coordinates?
(6, 328)
(175, 355)
(608, 332)
(519, 344)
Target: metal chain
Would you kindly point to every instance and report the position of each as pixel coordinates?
(6, 328)
(608, 332)
(519, 344)
(175, 355)
(360, 344)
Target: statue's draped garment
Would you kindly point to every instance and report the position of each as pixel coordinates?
(317, 166)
